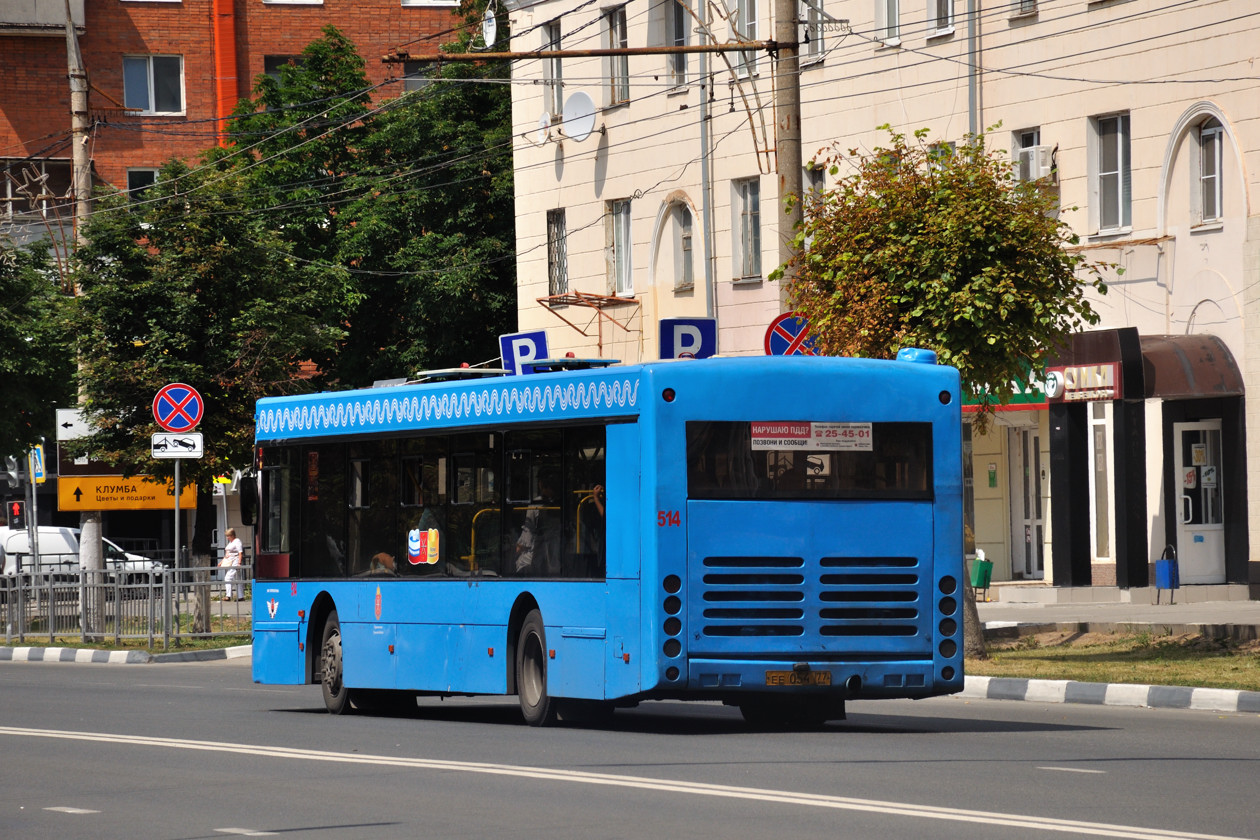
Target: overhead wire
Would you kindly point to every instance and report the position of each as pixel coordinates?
(661, 88)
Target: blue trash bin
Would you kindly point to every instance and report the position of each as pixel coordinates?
(1167, 575)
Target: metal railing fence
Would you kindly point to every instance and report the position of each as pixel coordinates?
(153, 607)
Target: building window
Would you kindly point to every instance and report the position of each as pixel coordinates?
(747, 228)
(154, 84)
(940, 17)
(553, 75)
(557, 254)
(684, 266)
(1024, 154)
(678, 22)
(810, 15)
(273, 63)
(1211, 151)
(417, 75)
(35, 186)
(939, 154)
(814, 185)
(1111, 188)
(888, 21)
(139, 181)
(745, 22)
(618, 65)
(618, 239)
(1023, 7)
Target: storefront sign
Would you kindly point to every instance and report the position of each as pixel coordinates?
(1083, 383)
(1027, 393)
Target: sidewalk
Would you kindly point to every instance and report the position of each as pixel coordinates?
(1235, 619)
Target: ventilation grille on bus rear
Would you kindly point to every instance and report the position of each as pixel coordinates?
(771, 596)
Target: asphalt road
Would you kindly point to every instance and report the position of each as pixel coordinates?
(197, 750)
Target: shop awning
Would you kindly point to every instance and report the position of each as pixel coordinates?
(1179, 367)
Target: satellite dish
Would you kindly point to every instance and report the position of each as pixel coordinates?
(489, 28)
(544, 129)
(579, 116)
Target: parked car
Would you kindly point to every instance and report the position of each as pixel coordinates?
(59, 554)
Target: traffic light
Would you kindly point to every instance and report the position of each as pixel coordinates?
(17, 515)
(12, 474)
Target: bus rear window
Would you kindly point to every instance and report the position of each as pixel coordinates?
(808, 460)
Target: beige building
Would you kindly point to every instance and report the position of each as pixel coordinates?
(647, 189)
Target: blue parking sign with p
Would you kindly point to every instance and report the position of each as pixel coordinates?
(688, 338)
(522, 347)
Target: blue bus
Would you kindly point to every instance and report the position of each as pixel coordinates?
(782, 534)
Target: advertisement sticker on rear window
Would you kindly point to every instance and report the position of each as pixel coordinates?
(850, 437)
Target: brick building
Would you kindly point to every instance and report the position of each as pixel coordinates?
(163, 74)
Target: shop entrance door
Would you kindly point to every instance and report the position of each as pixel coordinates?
(1200, 511)
(1027, 522)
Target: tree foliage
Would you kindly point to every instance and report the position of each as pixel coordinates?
(36, 347)
(939, 247)
(345, 237)
(191, 288)
(432, 229)
(412, 195)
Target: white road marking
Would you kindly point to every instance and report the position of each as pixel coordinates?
(245, 832)
(1074, 770)
(66, 809)
(905, 809)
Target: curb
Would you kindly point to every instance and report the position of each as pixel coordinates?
(117, 657)
(1111, 694)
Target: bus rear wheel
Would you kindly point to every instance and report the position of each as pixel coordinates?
(537, 706)
(332, 683)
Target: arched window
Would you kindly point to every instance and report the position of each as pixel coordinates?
(684, 263)
(1211, 152)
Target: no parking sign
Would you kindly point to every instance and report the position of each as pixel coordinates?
(788, 335)
(178, 407)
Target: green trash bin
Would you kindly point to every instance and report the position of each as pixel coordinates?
(981, 574)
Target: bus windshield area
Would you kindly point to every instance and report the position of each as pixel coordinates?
(527, 503)
(808, 460)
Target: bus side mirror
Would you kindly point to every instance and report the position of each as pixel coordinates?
(249, 499)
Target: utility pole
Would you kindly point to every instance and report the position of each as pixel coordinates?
(787, 107)
(91, 549)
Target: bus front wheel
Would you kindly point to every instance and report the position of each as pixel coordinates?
(537, 706)
(336, 695)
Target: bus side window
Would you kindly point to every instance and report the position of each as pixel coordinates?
(474, 524)
(534, 504)
(585, 502)
(422, 501)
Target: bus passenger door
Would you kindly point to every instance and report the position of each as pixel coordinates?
(624, 545)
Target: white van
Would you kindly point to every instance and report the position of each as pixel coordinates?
(59, 553)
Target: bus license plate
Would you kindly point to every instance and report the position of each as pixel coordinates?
(794, 678)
